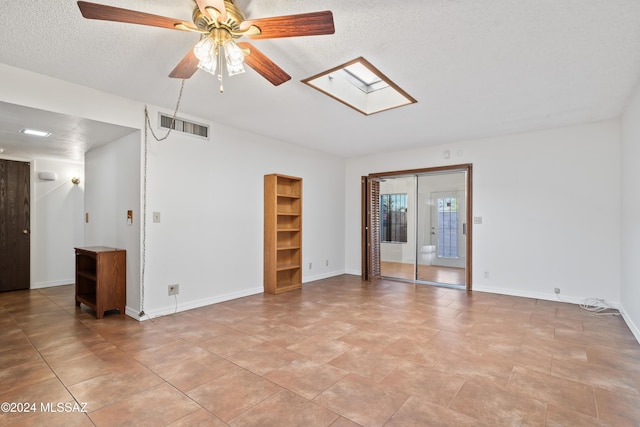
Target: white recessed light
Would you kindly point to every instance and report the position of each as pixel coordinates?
(35, 132)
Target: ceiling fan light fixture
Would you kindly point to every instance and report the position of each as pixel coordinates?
(232, 70)
(233, 53)
(208, 66)
(234, 57)
(204, 50)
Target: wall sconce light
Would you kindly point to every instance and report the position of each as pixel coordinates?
(75, 180)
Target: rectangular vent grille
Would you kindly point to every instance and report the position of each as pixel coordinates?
(180, 125)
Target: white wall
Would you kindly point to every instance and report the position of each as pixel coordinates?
(112, 175)
(550, 204)
(210, 195)
(210, 198)
(57, 223)
(630, 288)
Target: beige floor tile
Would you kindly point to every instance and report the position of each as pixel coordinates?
(80, 369)
(113, 386)
(344, 422)
(362, 400)
(320, 348)
(35, 394)
(491, 370)
(619, 410)
(285, 409)
(498, 407)
(419, 413)
(346, 353)
(367, 363)
(232, 394)
(189, 374)
(159, 405)
(548, 388)
(199, 418)
(306, 378)
(24, 374)
(55, 419)
(426, 383)
(227, 344)
(418, 352)
(264, 358)
(563, 417)
(604, 377)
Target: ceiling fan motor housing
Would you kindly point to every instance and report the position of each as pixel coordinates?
(232, 24)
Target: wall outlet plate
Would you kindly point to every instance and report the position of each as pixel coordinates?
(174, 289)
(556, 290)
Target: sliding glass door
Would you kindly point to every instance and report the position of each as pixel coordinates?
(423, 217)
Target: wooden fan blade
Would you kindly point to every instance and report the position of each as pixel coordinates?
(185, 68)
(305, 24)
(216, 4)
(263, 65)
(116, 14)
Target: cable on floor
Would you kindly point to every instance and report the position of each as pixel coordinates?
(599, 307)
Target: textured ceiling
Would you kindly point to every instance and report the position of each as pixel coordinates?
(477, 67)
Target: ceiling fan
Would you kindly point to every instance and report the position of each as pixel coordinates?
(220, 23)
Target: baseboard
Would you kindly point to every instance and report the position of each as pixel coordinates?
(132, 312)
(313, 278)
(632, 326)
(353, 272)
(52, 283)
(535, 295)
(189, 305)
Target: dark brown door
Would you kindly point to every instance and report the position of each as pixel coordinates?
(14, 225)
(370, 228)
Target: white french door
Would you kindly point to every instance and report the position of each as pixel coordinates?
(448, 227)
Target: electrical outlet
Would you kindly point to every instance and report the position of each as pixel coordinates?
(174, 289)
(486, 274)
(556, 290)
(326, 263)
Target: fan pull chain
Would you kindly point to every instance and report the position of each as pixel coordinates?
(219, 52)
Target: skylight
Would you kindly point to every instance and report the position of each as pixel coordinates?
(361, 86)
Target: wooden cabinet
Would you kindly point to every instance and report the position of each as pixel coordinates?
(282, 233)
(101, 278)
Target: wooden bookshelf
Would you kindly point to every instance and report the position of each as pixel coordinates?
(282, 233)
(101, 279)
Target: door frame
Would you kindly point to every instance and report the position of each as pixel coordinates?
(367, 220)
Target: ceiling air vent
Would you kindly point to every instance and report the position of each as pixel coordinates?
(181, 125)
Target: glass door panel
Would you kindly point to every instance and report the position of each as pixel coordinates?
(398, 228)
(441, 249)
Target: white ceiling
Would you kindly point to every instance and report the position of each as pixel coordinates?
(477, 67)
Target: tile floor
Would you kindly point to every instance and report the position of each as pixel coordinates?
(340, 352)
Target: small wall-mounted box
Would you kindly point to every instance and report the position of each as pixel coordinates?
(47, 176)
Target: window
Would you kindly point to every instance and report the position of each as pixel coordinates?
(448, 227)
(393, 211)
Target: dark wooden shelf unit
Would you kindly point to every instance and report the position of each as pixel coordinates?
(101, 279)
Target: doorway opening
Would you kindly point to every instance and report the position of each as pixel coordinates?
(417, 226)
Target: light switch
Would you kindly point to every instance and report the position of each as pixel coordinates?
(477, 220)
(156, 217)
